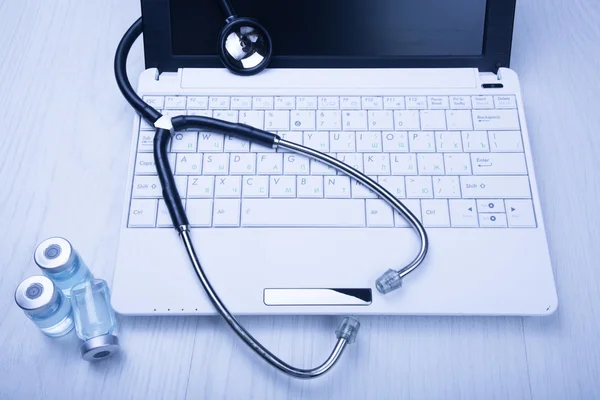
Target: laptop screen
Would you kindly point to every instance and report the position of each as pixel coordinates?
(344, 28)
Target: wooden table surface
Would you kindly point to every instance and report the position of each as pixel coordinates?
(64, 142)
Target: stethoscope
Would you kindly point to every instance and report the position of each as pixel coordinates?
(245, 49)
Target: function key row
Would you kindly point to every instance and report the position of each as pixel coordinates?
(332, 102)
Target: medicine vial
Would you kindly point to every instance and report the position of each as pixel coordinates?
(45, 305)
(59, 261)
(95, 321)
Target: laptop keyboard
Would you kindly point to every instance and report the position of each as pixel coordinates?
(454, 161)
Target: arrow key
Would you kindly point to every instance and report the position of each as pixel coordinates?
(463, 213)
(520, 214)
(490, 206)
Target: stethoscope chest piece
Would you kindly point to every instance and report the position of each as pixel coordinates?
(244, 46)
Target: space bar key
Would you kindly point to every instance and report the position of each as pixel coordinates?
(303, 212)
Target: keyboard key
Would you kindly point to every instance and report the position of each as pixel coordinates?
(144, 163)
(416, 103)
(463, 213)
(189, 164)
(306, 103)
(491, 206)
(142, 213)
(379, 213)
(360, 191)
(253, 118)
(457, 164)
(446, 187)
(493, 187)
(173, 113)
(146, 141)
(448, 142)
(255, 186)
(435, 213)
(475, 141)
(216, 164)
(337, 187)
(520, 214)
(504, 141)
(283, 186)
(197, 102)
(418, 187)
(317, 140)
(377, 164)
(460, 102)
(355, 160)
(157, 102)
(295, 164)
(394, 103)
(498, 164)
(163, 218)
(218, 103)
(395, 142)
(184, 142)
(342, 142)
(421, 141)
(228, 186)
(505, 101)
(394, 185)
(368, 142)
(413, 206)
(433, 119)
(226, 115)
(329, 103)
(277, 120)
(430, 164)
(329, 120)
(200, 186)
(459, 120)
(269, 163)
(372, 103)
(438, 102)
(492, 220)
(496, 120)
(403, 164)
(354, 120)
(262, 103)
(174, 102)
(241, 103)
(406, 120)
(259, 148)
(310, 186)
(303, 212)
(295, 137)
(201, 113)
(482, 102)
(319, 168)
(381, 120)
(226, 212)
(302, 120)
(210, 142)
(148, 186)
(243, 164)
(233, 144)
(284, 103)
(350, 103)
(199, 212)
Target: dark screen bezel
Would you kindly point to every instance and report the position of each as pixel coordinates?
(497, 42)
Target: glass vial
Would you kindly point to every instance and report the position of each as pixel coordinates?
(95, 320)
(59, 261)
(45, 305)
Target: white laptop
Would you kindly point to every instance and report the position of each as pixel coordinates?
(418, 95)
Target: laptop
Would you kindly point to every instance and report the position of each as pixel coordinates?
(417, 94)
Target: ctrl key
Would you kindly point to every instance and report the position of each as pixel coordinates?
(142, 213)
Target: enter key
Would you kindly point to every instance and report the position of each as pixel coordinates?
(498, 164)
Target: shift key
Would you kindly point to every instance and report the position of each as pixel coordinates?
(494, 187)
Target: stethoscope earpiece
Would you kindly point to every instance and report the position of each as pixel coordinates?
(244, 46)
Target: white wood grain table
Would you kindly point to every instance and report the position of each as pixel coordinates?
(64, 140)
